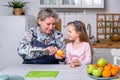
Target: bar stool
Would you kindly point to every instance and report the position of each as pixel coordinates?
(116, 55)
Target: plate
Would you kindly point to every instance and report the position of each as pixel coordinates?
(101, 78)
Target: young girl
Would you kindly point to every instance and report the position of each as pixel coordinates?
(78, 51)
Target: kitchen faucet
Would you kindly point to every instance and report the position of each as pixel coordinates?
(89, 34)
(89, 30)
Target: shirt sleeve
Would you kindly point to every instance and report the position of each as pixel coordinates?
(25, 48)
(86, 59)
(68, 56)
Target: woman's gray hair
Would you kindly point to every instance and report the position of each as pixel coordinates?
(45, 13)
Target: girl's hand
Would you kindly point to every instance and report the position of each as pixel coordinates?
(76, 62)
(72, 65)
(52, 50)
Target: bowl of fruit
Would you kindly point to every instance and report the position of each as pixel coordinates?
(102, 70)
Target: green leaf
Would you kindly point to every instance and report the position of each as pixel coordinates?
(16, 4)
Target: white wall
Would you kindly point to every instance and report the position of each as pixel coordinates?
(32, 8)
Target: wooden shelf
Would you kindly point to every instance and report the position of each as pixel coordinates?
(106, 43)
(107, 25)
(103, 43)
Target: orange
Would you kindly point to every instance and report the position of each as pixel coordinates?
(101, 68)
(116, 67)
(113, 72)
(60, 52)
(109, 64)
(107, 67)
(106, 73)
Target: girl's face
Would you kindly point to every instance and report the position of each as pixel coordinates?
(47, 25)
(72, 33)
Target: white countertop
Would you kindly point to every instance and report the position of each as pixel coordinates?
(65, 71)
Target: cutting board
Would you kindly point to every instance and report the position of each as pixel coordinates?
(58, 25)
(42, 74)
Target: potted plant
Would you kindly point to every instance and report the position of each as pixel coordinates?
(17, 6)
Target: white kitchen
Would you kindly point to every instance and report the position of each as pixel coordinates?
(94, 13)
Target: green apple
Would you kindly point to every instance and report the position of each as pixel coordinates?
(90, 68)
(101, 62)
(97, 72)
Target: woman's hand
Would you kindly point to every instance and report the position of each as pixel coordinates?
(52, 50)
(59, 57)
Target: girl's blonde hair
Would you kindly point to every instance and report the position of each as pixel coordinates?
(80, 27)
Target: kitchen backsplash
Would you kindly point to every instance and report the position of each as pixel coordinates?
(86, 18)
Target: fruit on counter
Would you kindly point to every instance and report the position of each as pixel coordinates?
(101, 62)
(116, 67)
(106, 73)
(97, 72)
(102, 68)
(114, 70)
(60, 52)
(90, 68)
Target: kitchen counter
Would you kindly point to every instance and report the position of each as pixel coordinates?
(103, 43)
(65, 71)
(106, 43)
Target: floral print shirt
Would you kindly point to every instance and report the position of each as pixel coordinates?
(34, 39)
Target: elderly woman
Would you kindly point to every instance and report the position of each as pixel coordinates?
(40, 43)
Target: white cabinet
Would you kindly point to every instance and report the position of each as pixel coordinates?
(11, 30)
(72, 3)
(60, 3)
(93, 3)
(49, 3)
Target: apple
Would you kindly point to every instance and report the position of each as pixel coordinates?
(97, 72)
(101, 62)
(90, 68)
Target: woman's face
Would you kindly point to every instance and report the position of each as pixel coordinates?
(72, 33)
(47, 25)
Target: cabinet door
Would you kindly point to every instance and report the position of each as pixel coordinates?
(49, 3)
(93, 3)
(70, 3)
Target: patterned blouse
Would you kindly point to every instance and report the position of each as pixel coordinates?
(34, 39)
